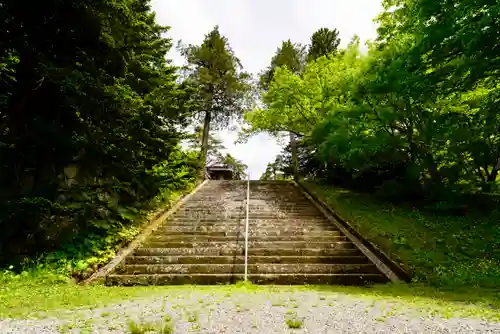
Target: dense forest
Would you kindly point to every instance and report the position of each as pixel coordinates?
(93, 115)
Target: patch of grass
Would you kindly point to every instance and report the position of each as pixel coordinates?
(66, 328)
(440, 249)
(163, 327)
(85, 326)
(192, 316)
(294, 323)
(141, 328)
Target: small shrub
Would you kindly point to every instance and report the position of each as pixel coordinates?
(294, 323)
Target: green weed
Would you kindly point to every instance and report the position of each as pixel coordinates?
(294, 323)
(163, 327)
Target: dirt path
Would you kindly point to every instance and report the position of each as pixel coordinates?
(252, 312)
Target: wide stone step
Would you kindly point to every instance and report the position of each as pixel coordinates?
(252, 214)
(278, 198)
(209, 209)
(240, 250)
(300, 279)
(239, 222)
(241, 229)
(136, 269)
(204, 220)
(203, 259)
(189, 232)
(276, 268)
(253, 244)
(262, 238)
(218, 197)
(291, 209)
(212, 279)
(261, 223)
(251, 217)
(191, 217)
(271, 223)
(213, 209)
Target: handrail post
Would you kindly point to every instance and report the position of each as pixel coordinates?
(246, 228)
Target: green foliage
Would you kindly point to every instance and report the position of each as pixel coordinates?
(222, 89)
(438, 249)
(324, 42)
(416, 117)
(214, 144)
(276, 170)
(163, 327)
(238, 167)
(289, 55)
(294, 323)
(89, 118)
(216, 71)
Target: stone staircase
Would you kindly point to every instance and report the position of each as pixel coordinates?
(290, 242)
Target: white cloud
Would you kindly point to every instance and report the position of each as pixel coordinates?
(255, 28)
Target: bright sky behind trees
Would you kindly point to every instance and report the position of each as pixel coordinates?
(255, 29)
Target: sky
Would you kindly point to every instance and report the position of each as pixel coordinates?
(255, 29)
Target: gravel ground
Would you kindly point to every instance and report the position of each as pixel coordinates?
(252, 312)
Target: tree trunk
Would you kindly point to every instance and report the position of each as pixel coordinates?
(295, 164)
(492, 177)
(204, 142)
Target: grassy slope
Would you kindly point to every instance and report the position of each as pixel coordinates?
(447, 251)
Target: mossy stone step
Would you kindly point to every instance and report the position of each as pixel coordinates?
(203, 259)
(237, 215)
(241, 237)
(241, 229)
(252, 244)
(189, 232)
(251, 227)
(240, 250)
(260, 268)
(214, 279)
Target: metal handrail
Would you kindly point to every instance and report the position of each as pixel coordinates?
(246, 228)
